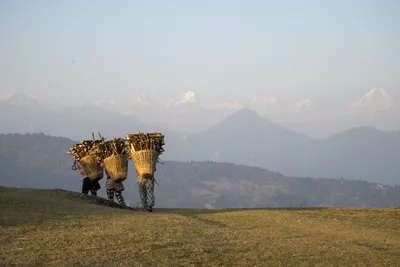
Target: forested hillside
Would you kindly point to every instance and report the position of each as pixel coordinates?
(40, 161)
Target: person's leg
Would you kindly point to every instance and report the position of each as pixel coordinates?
(110, 194)
(150, 196)
(143, 195)
(94, 186)
(85, 185)
(120, 198)
(119, 187)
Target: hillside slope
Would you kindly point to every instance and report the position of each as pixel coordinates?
(40, 161)
(53, 228)
(243, 137)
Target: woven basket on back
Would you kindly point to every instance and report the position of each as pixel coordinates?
(117, 167)
(145, 162)
(92, 167)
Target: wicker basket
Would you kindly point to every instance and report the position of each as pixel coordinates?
(92, 167)
(145, 162)
(117, 167)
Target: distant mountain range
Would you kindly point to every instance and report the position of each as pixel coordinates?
(244, 137)
(40, 161)
(21, 114)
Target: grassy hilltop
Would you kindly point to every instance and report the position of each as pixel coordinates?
(61, 228)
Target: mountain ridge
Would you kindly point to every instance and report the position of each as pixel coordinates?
(40, 161)
(246, 138)
(243, 137)
(25, 101)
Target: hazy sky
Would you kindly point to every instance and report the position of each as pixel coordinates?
(330, 52)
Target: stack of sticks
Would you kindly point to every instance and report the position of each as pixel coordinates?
(109, 148)
(83, 149)
(146, 141)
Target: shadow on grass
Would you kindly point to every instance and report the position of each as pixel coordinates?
(196, 213)
(91, 199)
(211, 211)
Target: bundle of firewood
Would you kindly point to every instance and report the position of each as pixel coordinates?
(105, 149)
(146, 141)
(83, 149)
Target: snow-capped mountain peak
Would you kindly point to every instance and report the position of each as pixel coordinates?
(187, 98)
(377, 99)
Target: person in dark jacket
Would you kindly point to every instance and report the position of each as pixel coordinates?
(87, 184)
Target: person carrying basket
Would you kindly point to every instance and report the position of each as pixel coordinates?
(87, 184)
(113, 187)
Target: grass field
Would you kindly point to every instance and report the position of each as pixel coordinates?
(59, 228)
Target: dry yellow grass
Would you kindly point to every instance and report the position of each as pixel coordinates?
(49, 228)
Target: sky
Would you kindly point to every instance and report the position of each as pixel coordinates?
(309, 55)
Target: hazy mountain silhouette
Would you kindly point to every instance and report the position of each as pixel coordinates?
(246, 138)
(243, 137)
(40, 161)
(22, 114)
